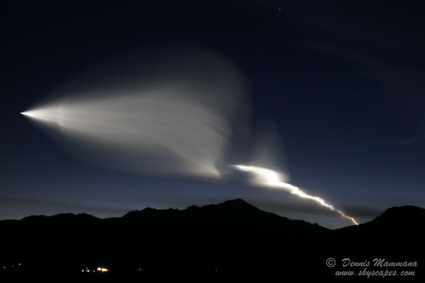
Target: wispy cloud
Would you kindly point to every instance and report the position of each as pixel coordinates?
(407, 142)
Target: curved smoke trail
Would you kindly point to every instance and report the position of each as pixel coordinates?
(163, 112)
(267, 177)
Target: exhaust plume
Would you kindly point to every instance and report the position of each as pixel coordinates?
(166, 112)
(267, 177)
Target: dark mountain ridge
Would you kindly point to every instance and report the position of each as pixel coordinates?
(234, 237)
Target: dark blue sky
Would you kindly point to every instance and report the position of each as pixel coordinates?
(341, 80)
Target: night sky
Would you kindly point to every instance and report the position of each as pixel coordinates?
(341, 81)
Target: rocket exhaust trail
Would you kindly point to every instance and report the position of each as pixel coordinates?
(163, 111)
(271, 178)
(167, 111)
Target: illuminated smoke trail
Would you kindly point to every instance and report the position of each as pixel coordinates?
(166, 112)
(271, 178)
(163, 113)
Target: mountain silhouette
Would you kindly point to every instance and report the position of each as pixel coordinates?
(218, 242)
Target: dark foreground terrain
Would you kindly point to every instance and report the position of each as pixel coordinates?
(229, 242)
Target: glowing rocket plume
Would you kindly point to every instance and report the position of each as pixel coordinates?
(166, 112)
(271, 178)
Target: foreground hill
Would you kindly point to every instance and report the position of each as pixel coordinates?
(216, 242)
